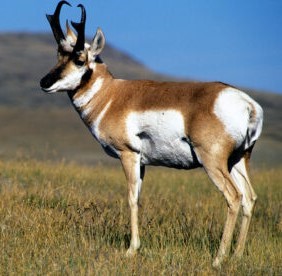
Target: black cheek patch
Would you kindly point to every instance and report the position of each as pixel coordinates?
(85, 78)
(52, 77)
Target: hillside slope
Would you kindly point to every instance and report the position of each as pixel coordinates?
(26, 58)
(45, 126)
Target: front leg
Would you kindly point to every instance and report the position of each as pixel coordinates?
(134, 175)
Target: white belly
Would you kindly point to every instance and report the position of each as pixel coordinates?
(160, 138)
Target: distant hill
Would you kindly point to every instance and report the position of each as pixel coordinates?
(26, 58)
(25, 110)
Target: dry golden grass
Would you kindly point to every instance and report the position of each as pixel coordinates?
(68, 219)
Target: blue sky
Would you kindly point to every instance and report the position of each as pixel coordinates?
(238, 42)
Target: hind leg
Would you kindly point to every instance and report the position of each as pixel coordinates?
(223, 181)
(239, 174)
(217, 170)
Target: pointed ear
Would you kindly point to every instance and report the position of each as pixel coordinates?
(98, 43)
(70, 40)
(70, 34)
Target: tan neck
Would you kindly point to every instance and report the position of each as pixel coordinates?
(91, 96)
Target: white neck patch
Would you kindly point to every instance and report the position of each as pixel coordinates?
(95, 125)
(89, 94)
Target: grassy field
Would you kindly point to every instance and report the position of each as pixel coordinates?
(70, 219)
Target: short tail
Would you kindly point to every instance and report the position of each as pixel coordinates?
(255, 125)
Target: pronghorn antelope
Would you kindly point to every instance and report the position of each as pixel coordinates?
(181, 125)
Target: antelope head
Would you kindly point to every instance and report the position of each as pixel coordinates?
(75, 57)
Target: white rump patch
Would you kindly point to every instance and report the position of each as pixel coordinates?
(160, 138)
(236, 110)
(89, 94)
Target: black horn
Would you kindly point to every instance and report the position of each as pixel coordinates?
(80, 28)
(54, 20)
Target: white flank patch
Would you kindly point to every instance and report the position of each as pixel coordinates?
(160, 138)
(233, 108)
(89, 94)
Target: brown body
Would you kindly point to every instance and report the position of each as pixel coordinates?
(195, 100)
(180, 125)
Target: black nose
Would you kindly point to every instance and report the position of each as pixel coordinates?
(46, 82)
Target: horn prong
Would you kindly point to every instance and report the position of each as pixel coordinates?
(70, 32)
(54, 21)
(80, 29)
